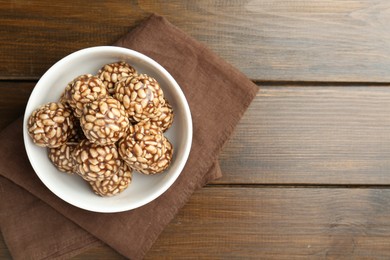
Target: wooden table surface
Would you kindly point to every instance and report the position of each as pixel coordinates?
(307, 171)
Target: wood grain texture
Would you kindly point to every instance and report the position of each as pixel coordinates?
(292, 135)
(329, 40)
(312, 135)
(279, 223)
(36, 34)
(287, 40)
(13, 100)
(273, 223)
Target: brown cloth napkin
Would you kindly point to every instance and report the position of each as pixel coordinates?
(37, 225)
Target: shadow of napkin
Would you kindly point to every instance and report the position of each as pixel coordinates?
(36, 224)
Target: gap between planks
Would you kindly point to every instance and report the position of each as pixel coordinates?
(296, 186)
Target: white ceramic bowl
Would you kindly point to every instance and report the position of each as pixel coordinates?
(143, 189)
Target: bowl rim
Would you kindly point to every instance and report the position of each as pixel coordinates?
(188, 126)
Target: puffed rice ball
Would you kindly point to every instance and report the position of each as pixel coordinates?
(50, 125)
(96, 162)
(104, 121)
(62, 157)
(165, 116)
(111, 73)
(83, 90)
(115, 184)
(141, 96)
(145, 149)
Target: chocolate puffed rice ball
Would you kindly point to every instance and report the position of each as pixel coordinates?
(96, 162)
(164, 119)
(104, 121)
(111, 73)
(83, 90)
(145, 149)
(115, 184)
(141, 96)
(50, 125)
(62, 157)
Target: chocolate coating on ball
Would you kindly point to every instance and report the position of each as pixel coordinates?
(145, 149)
(104, 121)
(83, 90)
(164, 119)
(141, 96)
(111, 73)
(96, 162)
(50, 125)
(115, 184)
(62, 157)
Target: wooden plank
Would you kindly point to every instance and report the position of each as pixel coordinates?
(279, 223)
(292, 135)
(273, 223)
(329, 40)
(268, 40)
(36, 34)
(311, 135)
(13, 100)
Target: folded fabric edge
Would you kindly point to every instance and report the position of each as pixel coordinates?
(68, 248)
